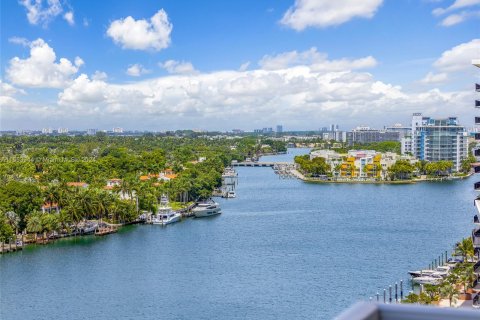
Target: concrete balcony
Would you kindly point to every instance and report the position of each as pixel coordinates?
(372, 311)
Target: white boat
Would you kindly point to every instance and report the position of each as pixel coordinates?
(229, 194)
(165, 215)
(206, 209)
(442, 270)
(434, 279)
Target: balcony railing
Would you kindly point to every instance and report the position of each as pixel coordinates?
(372, 311)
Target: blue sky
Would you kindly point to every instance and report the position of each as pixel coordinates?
(235, 64)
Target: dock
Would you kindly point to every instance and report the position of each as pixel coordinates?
(103, 231)
(10, 247)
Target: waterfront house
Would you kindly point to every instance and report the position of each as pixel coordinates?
(49, 207)
(167, 175)
(77, 184)
(113, 183)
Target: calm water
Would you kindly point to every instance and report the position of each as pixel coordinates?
(282, 249)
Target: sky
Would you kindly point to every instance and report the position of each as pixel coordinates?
(218, 65)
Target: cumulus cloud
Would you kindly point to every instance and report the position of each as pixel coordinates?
(99, 75)
(296, 93)
(7, 89)
(178, 67)
(326, 13)
(68, 16)
(136, 70)
(153, 34)
(453, 62)
(41, 69)
(41, 11)
(459, 57)
(317, 60)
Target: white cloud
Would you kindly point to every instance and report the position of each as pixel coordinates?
(7, 89)
(434, 78)
(19, 40)
(178, 67)
(84, 90)
(136, 70)
(325, 13)
(86, 23)
(68, 16)
(453, 63)
(40, 11)
(459, 57)
(457, 17)
(41, 69)
(296, 95)
(99, 75)
(458, 4)
(244, 66)
(317, 60)
(142, 34)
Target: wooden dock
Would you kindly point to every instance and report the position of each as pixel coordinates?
(103, 231)
(10, 247)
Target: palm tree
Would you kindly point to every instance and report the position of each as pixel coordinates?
(448, 290)
(34, 224)
(465, 248)
(467, 276)
(13, 220)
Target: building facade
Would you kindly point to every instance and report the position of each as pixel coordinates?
(364, 135)
(439, 139)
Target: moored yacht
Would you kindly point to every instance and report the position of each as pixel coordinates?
(206, 209)
(165, 215)
(229, 194)
(440, 270)
(434, 279)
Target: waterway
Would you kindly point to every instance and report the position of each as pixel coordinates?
(282, 249)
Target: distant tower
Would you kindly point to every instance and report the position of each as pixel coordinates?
(279, 128)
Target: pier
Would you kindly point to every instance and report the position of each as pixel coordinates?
(10, 247)
(258, 164)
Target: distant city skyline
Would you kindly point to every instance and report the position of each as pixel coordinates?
(217, 65)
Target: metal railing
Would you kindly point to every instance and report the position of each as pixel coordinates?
(374, 311)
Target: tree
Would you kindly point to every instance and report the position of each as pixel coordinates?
(6, 230)
(402, 169)
(465, 248)
(34, 223)
(411, 298)
(448, 291)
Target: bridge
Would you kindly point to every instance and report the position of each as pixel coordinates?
(260, 164)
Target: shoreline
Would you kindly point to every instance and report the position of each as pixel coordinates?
(300, 176)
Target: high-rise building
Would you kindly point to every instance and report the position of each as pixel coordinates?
(279, 128)
(47, 130)
(476, 218)
(402, 130)
(62, 130)
(366, 134)
(91, 132)
(439, 139)
(117, 130)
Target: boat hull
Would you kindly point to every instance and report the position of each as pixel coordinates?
(165, 222)
(207, 213)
